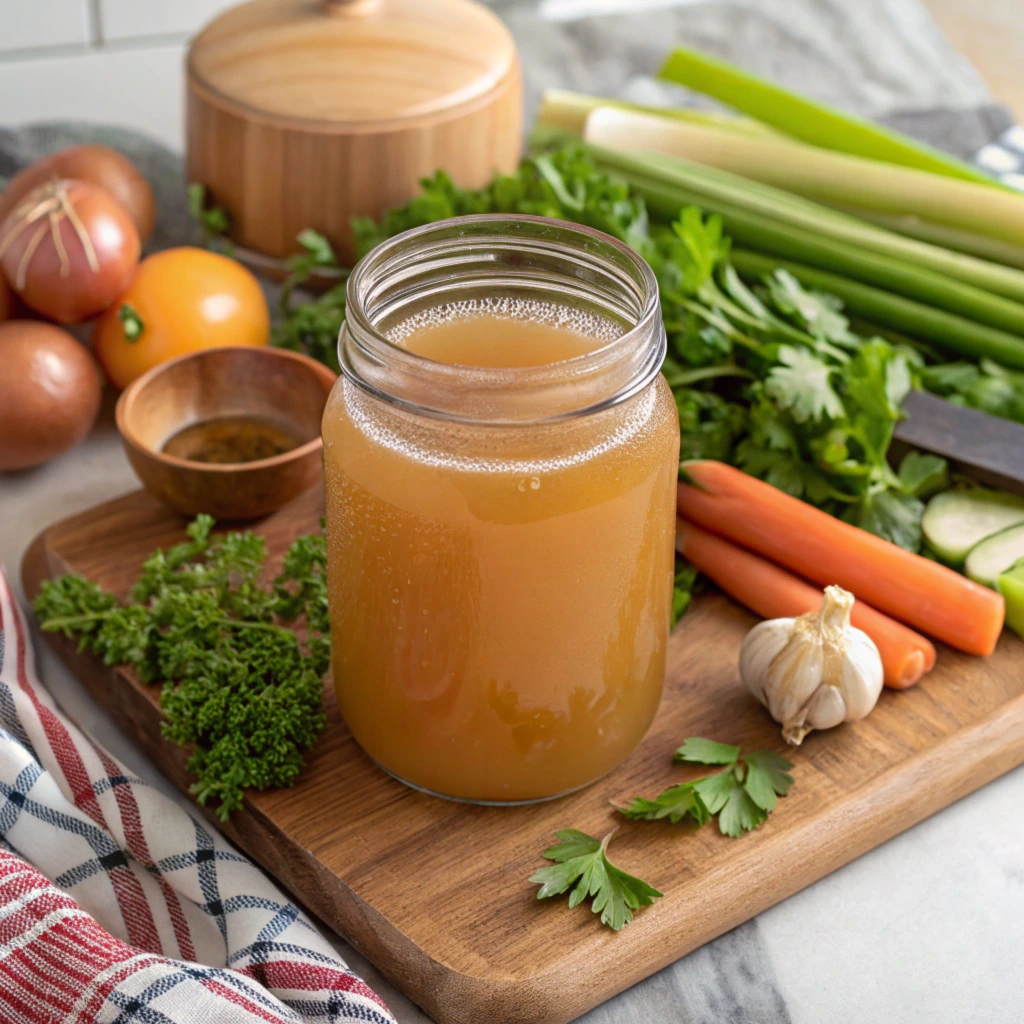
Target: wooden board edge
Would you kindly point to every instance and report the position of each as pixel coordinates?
(454, 997)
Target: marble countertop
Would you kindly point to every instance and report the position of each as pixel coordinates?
(928, 927)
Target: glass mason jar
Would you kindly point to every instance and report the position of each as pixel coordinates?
(500, 541)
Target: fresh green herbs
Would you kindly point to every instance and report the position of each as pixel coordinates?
(682, 589)
(212, 220)
(582, 866)
(311, 325)
(238, 685)
(742, 794)
(986, 386)
(767, 374)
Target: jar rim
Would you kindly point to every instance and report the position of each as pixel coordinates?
(605, 376)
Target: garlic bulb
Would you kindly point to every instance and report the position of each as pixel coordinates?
(814, 671)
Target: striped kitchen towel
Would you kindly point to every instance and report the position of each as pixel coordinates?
(118, 906)
(1003, 157)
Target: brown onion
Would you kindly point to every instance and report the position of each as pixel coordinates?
(50, 390)
(97, 165)
(68, 249)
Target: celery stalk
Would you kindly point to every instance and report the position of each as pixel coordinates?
(765, 235)
(823, 222)
(829, 178)
(894, 311)
(807, 120)
(566, 112)
(942, 235)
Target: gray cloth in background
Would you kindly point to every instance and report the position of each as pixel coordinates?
(885, 59)
(881, 58)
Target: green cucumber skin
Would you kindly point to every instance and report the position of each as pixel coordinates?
(1011, 586)
(996, 554)
(997, 510)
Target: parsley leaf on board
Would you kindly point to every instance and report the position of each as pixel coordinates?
(238, 685)
(742, 794)
(582, 866)
(700, 751)
(674, 803)
(740, 813)
(767, 777)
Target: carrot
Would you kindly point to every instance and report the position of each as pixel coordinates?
(773, 593)
(818, 546)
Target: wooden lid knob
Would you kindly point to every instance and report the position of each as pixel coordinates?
(350, 8)
(352, 62)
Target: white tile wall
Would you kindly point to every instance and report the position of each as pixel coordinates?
(141, 89)
(33, 24)
(126, 19)
(106, 61)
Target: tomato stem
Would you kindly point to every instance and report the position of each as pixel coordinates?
(133, 323)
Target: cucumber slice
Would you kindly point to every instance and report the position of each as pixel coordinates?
(954, 522)
(1011, 586)
(994, 555)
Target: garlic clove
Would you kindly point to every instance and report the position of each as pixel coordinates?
(862, 677)
(800, 665)
(827, 708)
(760, 648)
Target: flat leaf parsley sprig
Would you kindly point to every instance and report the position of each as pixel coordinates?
(742, 794)
(238, 684)
(582, 866)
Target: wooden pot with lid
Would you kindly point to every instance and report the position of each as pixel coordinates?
(306, 113)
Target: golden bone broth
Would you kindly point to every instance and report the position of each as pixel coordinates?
(500, 595)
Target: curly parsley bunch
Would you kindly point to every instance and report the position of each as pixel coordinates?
(238, 684)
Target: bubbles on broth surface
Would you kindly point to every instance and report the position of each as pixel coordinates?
(507, 332)
(529, 452)
(513, 333)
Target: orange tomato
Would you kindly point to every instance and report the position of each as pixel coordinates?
(179, 301)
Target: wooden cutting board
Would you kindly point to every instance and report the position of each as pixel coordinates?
(436, 893)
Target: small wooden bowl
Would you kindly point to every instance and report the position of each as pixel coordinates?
(240, 381)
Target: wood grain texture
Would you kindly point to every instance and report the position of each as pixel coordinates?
(304, 115)
(436, 893)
